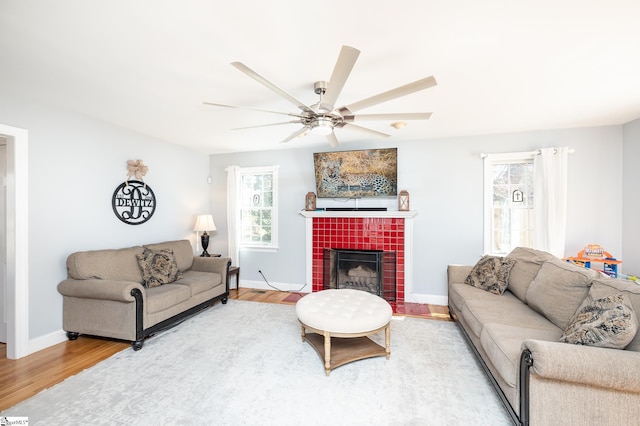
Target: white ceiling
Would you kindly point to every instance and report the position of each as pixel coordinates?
(501, 65)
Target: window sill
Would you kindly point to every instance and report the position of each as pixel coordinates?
(269, 249)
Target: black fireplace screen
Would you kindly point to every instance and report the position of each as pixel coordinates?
(373, 271)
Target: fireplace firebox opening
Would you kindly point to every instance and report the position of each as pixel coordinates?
(373, 271)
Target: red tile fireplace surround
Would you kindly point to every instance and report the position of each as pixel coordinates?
(360, 230)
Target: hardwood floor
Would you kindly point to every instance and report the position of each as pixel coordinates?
(21, 379)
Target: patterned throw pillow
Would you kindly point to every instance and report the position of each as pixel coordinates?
(158, 267)
(607, 323)
(491, 274)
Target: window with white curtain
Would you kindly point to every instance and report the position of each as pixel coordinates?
(258, 204)
(509, 220)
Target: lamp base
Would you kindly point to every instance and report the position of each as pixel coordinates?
(204, 239)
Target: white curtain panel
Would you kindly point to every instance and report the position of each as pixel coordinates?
(233, 212)
(550, 204)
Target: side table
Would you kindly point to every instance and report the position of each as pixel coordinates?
(234, 270)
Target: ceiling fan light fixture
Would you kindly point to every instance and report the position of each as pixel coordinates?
(321, 126)
(398, 125)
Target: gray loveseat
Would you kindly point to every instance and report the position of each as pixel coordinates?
(107, 294)
(517, 338)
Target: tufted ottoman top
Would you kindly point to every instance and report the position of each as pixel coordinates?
(343, 311)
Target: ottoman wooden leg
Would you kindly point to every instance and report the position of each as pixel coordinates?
(303, 333)
(387, 339)
(327, 353)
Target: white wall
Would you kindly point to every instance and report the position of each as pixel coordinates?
(444, 179)
(75, 164)
(630, 199)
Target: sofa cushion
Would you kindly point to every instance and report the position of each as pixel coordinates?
(491, 274)
(117, 265)
(607, 323)
(502, 344)
(460, 293)
(604, 286)
(528, 263)
(166, 297)
(558, 290)
(182, 250)
(158, 267)
(200, 282)
(478, 313)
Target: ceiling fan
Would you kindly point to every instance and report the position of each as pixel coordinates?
(323, 117)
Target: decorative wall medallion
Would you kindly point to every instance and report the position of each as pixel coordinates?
(133, 202)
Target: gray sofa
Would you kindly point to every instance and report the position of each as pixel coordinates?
(517, 339)
(108, 294)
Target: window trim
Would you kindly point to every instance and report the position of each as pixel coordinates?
(489, 161)
(246, 171)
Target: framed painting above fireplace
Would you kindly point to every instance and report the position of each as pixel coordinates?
(356, 174)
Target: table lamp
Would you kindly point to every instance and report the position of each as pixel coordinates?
(204, 223)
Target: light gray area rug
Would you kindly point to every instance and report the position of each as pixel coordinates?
(244, 364)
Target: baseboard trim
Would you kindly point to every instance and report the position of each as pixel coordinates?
(430, 299)
(43, 342)
(261, 285)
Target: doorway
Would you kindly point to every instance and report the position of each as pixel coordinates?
(16, 291)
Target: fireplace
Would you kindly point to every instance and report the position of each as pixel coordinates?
(360, 230)
(373, 271)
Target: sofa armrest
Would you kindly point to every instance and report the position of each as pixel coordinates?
(603, 367)
(456, 274)
(211, 264)
(119, 291)
(219, 265)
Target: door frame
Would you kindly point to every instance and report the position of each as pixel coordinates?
(3, 232)
(17, 303)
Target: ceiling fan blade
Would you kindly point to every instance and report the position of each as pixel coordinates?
(251, 73)
(295, 134)
(344, 65)
(407, 89)
(253, 109)
(364, 130)
(267, 125)
(333, 140)
(396, 116)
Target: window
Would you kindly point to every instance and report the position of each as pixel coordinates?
(258, 207)
(508, 206)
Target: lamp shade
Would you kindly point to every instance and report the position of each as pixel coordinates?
(204, 223)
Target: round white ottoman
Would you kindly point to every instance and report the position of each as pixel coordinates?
(340, 320)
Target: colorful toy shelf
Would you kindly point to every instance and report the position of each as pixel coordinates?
(593, 253)
(610, 265)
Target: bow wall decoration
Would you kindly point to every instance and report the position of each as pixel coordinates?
(136, 168)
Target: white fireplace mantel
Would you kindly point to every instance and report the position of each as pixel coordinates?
(408, 238)
(359, 213)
